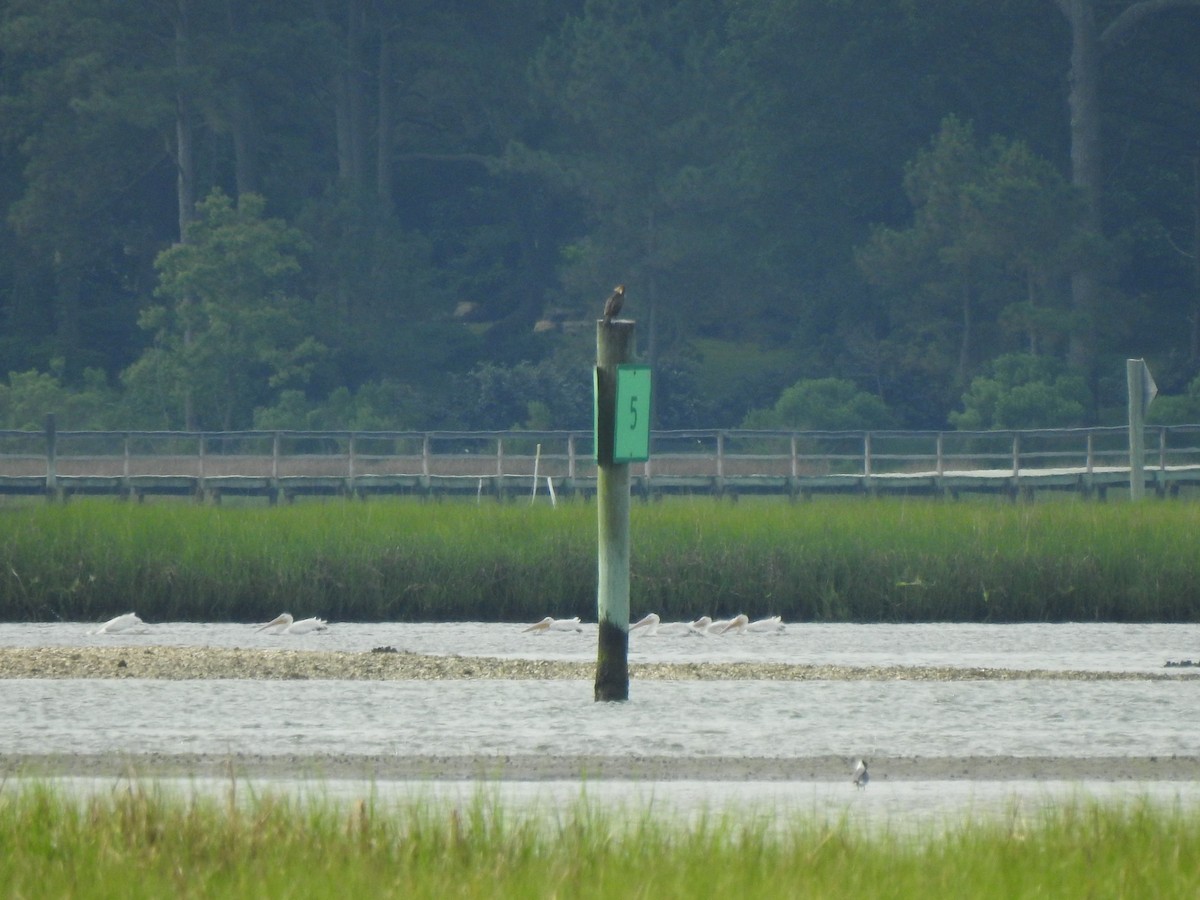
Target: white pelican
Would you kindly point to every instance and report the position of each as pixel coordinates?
(551, 624)
(654, 625)
(861, 775)
(705, 625)
(770, 623)
(650, 622)
(128, 624)
(285, 624)
(741, 623)
(736, 625)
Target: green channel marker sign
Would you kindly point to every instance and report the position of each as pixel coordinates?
(631, 431)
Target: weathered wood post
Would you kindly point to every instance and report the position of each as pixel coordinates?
(274, 493)
(51, 424)
(614, 347)
(1142, 390)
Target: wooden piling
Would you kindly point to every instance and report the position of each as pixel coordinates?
(1135, 374)
(51, 431)
(614, 346)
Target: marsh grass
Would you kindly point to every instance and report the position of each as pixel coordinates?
(838, 560)
(139, 842)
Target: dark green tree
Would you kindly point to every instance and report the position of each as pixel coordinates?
(1019, 390)
(87, 110)
(230, 334)
(825, 404)
(641, 96)
(996, 232)
(1096, 27)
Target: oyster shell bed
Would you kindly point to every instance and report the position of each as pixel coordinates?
(185, 663)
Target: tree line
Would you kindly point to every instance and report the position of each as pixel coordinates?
(406, 214)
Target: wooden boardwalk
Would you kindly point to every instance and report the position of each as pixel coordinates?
(286, 465)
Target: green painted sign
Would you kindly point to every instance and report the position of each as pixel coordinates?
(631, 429)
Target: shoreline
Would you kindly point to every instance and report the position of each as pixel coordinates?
(189, 663)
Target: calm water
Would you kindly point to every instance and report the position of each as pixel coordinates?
(672, 719)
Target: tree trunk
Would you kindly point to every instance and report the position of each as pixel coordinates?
(245, 158)
(1031, 296)
(242, 119)
(1088, 42)
(185, 164)
(1086, 172)
(383, 149)
(964, 344)
(350, 104)
(651, 289)
(1195, 257)
(68, 287)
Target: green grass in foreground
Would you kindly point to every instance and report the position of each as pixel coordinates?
(884, 560)
(139, 843)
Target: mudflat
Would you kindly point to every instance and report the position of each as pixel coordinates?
(160, 662)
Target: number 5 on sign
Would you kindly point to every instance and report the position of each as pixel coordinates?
(631, 434)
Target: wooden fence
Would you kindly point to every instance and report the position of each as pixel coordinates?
(291, 464)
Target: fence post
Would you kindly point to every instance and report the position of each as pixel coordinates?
(614, 346)
(1135, 371)
(125, 490)
(941, 455)
(273, 495)
(867, 454)
(426, 481)
(51, 455)
(537, 458)
(499, 478)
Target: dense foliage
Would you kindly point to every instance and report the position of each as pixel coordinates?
(222, 213)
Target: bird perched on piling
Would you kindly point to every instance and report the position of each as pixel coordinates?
(612, 306)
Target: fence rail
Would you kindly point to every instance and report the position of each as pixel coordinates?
(291, 464)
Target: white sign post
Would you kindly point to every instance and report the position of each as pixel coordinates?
(1142, 391)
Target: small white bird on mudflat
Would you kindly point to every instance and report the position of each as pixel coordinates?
(284, 624)
(861, 775)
